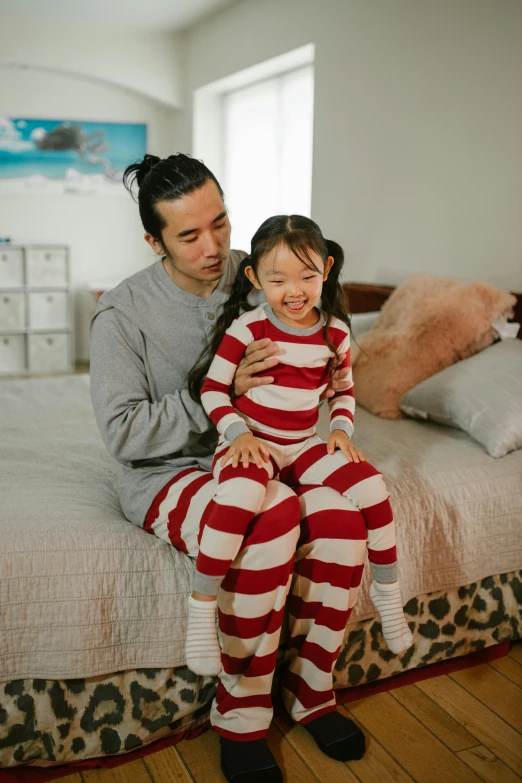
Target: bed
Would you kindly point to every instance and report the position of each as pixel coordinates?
(92, 609)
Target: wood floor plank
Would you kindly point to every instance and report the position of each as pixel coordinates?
(133, 772)
(167, 765)
(491, 688)
(201, 757)
(410, 732)
(291, 763)
(421, 754)
(488, 766)
(509, 668)
(326, 770)
(479, 720)
(434, 718)
(377, 766)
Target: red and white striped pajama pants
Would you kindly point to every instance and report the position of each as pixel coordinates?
(264, 539)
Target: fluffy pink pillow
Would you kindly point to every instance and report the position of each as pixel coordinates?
(426, 324)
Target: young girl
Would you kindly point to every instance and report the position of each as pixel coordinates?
(270, 432)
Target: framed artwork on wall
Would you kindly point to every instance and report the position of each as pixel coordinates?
(60, 156)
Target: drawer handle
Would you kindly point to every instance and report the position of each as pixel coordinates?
(48, 256)
(5, 257)
(6, 300)
(49, 298)
(6, 341)
(50, 341)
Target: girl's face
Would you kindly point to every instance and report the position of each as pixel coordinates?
(291, 289)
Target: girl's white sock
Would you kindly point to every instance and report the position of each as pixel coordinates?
(202, 650)
(387, 601)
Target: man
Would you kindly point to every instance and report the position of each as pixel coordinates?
(146, 335)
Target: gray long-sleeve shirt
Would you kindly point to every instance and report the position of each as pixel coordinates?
(146, 335)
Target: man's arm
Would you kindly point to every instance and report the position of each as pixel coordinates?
(132, 427)
(262, 354)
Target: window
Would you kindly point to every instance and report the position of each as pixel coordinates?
(267, 151)
(254, 130)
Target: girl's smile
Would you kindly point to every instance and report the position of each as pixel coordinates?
(296, 307)
(291, 288)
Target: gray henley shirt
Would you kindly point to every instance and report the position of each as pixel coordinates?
(146, 335)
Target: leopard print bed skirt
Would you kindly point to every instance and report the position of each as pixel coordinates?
(47, 722)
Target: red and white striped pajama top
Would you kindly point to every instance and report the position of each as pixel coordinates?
(285, 411)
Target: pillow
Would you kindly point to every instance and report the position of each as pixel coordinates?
(427, 324)
(481, 395)
(363, 322)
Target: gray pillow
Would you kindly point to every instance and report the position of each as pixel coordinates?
(481, 395)
(363, 322)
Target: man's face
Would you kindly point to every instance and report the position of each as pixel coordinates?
(196, 237)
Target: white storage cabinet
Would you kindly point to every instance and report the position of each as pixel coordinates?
(36, 310)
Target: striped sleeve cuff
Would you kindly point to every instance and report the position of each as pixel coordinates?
(345, 425)
(234, 430)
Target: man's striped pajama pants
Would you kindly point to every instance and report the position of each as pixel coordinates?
(262, 545)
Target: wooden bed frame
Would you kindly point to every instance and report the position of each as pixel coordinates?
(368, 297)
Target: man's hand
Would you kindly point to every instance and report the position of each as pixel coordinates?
(338, 380)
(259, 355)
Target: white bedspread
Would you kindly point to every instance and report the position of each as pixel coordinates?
(84, 592)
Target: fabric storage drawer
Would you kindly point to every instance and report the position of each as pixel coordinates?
(11, 267)
(12, 353)
(12, 310)
(48, 352)
(46, 267)
(48, 310)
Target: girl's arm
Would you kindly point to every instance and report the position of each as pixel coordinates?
(215, 393)
(342, 404)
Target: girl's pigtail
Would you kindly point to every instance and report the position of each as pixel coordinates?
(334, 303)
(334, 299)
(233, 307)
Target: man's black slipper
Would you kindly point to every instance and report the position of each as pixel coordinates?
(248, 762)
(337, 736)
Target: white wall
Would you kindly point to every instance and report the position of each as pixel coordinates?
(144, 62)
(104, 232)
(418, 125)
(417, 142)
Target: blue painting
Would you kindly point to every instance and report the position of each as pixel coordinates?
(60, 156)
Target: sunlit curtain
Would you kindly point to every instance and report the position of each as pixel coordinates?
(268, 151)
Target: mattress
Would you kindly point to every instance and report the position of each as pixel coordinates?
(84, 593)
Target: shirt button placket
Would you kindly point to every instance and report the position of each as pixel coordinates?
(209, 326)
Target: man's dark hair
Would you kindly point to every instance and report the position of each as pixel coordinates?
(164, 179)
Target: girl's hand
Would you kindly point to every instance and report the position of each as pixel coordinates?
(340, 440)
(246, 448)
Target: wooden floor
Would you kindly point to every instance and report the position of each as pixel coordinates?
(464, 727)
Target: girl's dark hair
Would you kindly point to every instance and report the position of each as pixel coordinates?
(303, 237)
(164, 179)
